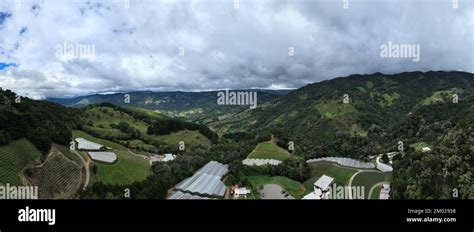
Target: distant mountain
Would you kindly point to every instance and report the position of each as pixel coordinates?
(195, 106)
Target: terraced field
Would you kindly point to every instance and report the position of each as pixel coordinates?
(58, 177)
(15, 158)
(68, 154)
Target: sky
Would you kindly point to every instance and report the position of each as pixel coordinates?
(57, 48)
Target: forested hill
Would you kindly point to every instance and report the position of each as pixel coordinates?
(380, 111)
(196, 106)
(41, 122)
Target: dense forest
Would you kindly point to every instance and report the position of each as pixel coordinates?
(41, 122)
(364, 115)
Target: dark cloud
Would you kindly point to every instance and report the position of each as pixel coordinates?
(211, 44)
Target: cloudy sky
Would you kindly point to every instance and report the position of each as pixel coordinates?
(195, 45)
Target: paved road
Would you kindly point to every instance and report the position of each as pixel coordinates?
(86, 166)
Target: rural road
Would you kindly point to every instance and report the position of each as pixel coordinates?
(86, 182)
(353, 176)
(350, 182)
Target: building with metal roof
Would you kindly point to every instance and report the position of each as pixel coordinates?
(103, 156)
(323, 182)
(206, 181)
(260, 162)
(348, 162)
(84, 144)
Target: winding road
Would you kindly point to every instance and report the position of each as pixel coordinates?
(355, 174)
(86, 166)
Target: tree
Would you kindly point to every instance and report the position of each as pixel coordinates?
(384, 158)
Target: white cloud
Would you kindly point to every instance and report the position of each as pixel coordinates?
(138, 48)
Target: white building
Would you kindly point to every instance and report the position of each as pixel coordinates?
(384, 167)
(84, 144)
(103, 156)
(168, 157)
(321, 187)
(241, 191)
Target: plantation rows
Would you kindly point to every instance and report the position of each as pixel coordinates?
(59, 177)
(69, 154)
(14, 158)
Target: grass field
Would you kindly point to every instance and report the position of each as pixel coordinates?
(57, 178)
(190, 138)
(269, 150)
(102, 117)
(375, 193)
(15, 158)
(294, 188)
(440, 96)
(418, 146)
(340, 174)
(101, 120)
(333, 109)
(128, 168)
(368, 179)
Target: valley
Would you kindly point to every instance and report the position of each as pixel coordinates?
(427, 117)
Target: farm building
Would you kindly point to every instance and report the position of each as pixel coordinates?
(206, 181)
(239, 191)
(384, 167)
(86, 145)
(168, 157)
(260, 162)
(348, 162)
(103, 156)
(321, 187)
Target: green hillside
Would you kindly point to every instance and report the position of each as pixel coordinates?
(364, 115)
(269, 150)
(15, 158)
(195, 106)
(378, 111)
(128, 168)
(340, 174)
(142, 129)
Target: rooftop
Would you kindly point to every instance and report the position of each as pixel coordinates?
(103, 156)
(84, 144)
(323, 182)
(206, 181)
